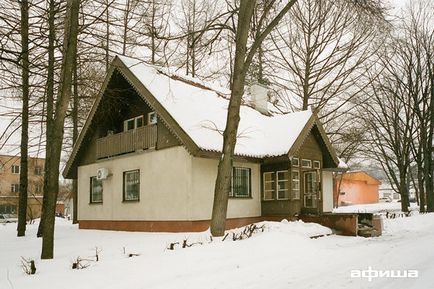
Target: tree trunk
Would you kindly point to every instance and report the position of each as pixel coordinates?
(420, 184)
(74, 139)
(49, 100)
(223, 181)
(55, 143)
(22, 206)
(242, 61)
(403, 191)
(429, 178)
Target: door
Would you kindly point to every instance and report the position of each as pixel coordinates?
(311, 189)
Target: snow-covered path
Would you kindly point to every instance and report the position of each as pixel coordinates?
(283, 257)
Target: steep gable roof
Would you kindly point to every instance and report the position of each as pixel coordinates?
(196, 114)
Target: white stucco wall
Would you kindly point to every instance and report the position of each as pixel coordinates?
(165, 186)
(204, 176)
(173, 186)
(327, 189)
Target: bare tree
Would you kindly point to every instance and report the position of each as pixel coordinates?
(243, 59)
(389, 117)
(55, 144)
(22, 205)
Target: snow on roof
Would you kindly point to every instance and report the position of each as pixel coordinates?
(342, 164)
(201, 112)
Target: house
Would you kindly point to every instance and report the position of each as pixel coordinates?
(10, 185)
(146, 158)
(356, 187)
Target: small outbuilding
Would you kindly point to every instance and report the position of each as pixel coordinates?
(355, 187)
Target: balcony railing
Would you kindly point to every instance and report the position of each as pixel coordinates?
(144, 137)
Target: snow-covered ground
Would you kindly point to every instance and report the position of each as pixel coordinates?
(283, 256)
(373, 208)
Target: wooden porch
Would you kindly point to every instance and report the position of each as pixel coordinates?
(142, 138)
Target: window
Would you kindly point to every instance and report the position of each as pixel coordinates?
(139, 121)
(269, 186)
(295, 162)
(15, 169)
(38, 170)
(310, 189)
(95, 190)
(8, 209)
(15, 188)
(133, 123)
(316, 164)
(38, 189)
(295, 184)
(306, 163)
(282, 185)
(240, 182)
(152, 118)
(132, 185)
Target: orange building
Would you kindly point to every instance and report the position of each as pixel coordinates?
(355, 187)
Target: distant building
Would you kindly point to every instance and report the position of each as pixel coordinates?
(10, 185)
(356, 187)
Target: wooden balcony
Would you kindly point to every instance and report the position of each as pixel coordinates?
(142, 138)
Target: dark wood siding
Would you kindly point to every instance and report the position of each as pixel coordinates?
(119, 103)
(310, 150)
(165, 138)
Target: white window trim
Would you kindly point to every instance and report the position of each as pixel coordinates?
(266, 182)
(13, 171)
(314, 196)
(277, 185)
(306, 167)
(15, 188)
(135, 122)
(299, 184)
(318, 166)
(298, 162)
(150, 114)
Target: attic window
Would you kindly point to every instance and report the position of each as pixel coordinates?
(306, 163)
(295, 162)
(152, 118)
(316, 164)
(133, 123)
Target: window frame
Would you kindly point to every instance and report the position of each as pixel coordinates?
(273, 181)
(91, 200)
(38, 170)
(295, 164)
(298, 196)
(15, 188)
(150, 115)
(316, 164)
(39, 189)
(277, 185)
(249, 183)
(13, 169)
(8, 209)
(124, 184)
(134, 119)
(308, 166)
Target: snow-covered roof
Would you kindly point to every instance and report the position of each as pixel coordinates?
(196, 113)
(202, 113)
